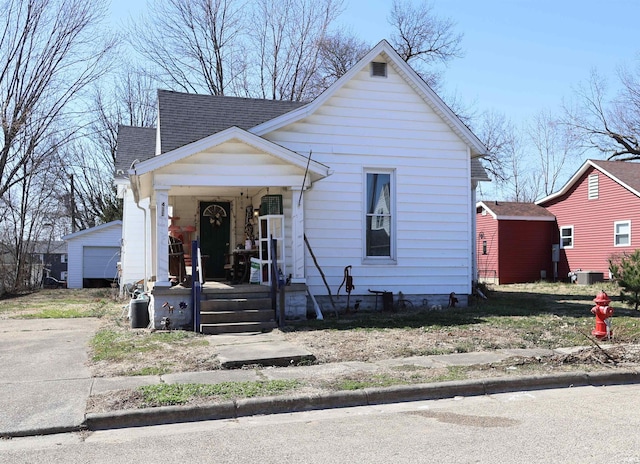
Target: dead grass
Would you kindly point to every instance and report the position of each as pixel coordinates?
(514, 316)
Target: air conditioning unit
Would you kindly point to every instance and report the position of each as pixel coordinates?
(589, 277)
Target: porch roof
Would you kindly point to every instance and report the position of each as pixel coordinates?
(225, 159)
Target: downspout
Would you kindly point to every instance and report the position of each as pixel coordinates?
(135, 187)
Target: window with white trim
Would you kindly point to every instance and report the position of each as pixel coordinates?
(63, 258)
(566, 237)
(622, 233)
(379, 218)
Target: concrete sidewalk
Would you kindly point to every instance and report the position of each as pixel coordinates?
(237, 349)
(45, 384)
(364, 397)
(44, 381)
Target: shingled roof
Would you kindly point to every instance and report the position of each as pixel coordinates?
(186, 117)
(133, 143)
(513, 210)
(625, 172)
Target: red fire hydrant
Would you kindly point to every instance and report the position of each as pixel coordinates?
(603, 312)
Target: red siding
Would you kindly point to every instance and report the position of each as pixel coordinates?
(525, 250)
(487, 230)
(516, 250)
(593, 223)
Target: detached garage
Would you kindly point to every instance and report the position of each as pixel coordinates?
(94, 255)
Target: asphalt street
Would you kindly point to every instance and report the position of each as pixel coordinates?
(571, 425)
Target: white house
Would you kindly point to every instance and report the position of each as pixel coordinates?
(93, 255)
(376, 173)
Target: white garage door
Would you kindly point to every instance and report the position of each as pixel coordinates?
(100, 262)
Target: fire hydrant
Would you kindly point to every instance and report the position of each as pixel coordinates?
(603, 312)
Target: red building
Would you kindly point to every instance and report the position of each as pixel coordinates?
(514, 242)
(596, 213)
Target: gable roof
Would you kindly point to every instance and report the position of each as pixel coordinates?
(514, 211)
(413, 79)
(184, 118)
(315, 168)
(625, 173)
(92, 230)
(134, 143)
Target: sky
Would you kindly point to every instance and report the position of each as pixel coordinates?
(520, 56)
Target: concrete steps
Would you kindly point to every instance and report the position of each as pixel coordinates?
(237, 313)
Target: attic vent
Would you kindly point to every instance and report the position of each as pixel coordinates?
(378, 69)
(593, 187)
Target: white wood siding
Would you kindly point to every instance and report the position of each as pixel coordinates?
(382, 123)
(134, 231)
(74, 264)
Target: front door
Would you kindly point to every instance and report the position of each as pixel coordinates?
(215, 233)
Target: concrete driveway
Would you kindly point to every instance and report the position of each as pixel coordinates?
(44, 380)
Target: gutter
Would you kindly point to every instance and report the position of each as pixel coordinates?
(135, 188)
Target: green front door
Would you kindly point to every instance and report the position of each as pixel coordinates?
(215, 233)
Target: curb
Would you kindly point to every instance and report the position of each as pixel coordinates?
(344, 399)
(44, 431)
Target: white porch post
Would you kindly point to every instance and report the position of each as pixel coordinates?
(297, 236)
(162, 237)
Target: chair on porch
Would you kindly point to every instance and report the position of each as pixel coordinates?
(177, 268)
(228, 267)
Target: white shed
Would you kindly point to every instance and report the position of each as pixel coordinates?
(94, 255)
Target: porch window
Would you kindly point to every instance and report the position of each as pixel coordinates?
(566, 237)
(379, 230)
(622, 233)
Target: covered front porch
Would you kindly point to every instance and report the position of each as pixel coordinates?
(232, 192)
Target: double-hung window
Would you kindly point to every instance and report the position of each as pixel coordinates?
(622, 233)
(379, 219)
(566, 237)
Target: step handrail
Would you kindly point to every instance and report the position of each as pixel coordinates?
(196, 283)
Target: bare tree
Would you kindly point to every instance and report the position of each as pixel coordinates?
(523, 184)
(499, 137)
(610, 126)
(421, 36)
(288, 35)
(130, 100)
(339, 52)
(554, 146)
(30, 216)
(515, 176)
(48, 55)
(196, 45)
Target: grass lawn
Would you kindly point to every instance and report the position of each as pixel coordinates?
(540, 315)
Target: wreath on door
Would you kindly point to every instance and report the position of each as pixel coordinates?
(216, 215)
